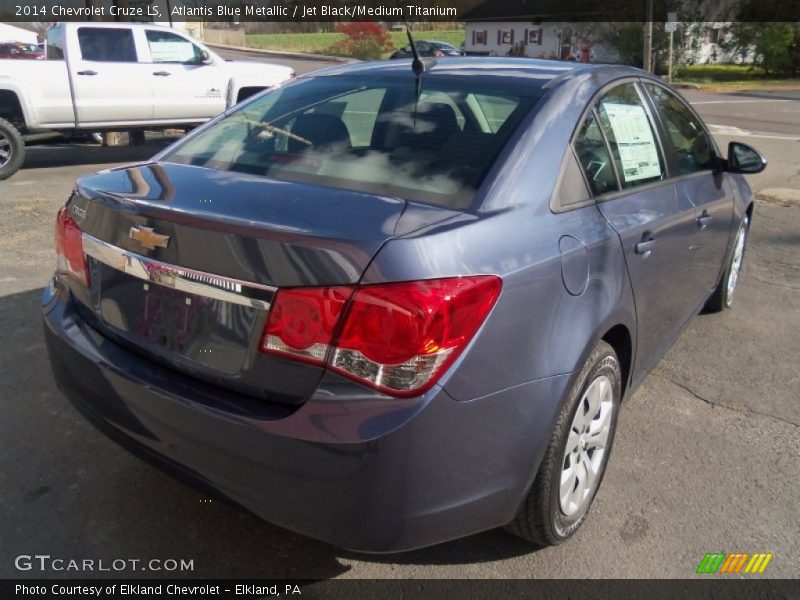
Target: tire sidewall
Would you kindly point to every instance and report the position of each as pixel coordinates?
(605, 363)
(17, 146)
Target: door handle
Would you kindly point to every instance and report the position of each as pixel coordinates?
(645, 247)
(162, 73)
(703, 220)
(87, 72)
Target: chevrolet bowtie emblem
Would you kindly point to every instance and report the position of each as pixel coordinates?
(149, 238)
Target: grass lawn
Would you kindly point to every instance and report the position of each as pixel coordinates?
(320, 43)
(731, 77)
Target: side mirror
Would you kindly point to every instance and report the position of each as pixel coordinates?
(744, 159)
(205, 57)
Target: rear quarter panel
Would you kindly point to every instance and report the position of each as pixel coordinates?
(43, 90)
(537, 329)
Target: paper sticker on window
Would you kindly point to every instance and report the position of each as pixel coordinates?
(637, 146)
(171, 51)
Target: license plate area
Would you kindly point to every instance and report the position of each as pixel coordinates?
(179, 326)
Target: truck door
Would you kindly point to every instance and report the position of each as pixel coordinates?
(109, 84)
(185, 87)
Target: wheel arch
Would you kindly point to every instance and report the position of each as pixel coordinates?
(12, 108)
(619, 338)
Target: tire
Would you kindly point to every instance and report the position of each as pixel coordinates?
(544, 518)
(12, 149)
(722, 297)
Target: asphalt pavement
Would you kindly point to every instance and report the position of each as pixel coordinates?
(707, 455)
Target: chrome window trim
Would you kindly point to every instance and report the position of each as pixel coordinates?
(191, 281)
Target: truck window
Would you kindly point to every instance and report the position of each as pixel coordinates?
(166, 47)
(103, 44)
(55, 44)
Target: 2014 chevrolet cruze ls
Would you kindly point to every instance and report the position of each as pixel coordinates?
(388, 308)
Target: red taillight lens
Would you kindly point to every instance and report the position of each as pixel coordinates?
(400, 337)
(302, 322)
(70, 258)
(397, 337)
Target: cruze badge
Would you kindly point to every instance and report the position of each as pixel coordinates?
(149, 238)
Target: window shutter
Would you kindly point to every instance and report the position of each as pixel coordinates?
(499, 36)
(541, 35)
(512, 36)
(485, 37)
(473, 37)
(525, 39)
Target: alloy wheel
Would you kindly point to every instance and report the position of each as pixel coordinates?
(586, 446)
(5, 150)
(736, 262)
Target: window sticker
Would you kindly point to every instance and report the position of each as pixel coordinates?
(162, 51)
(637, 146)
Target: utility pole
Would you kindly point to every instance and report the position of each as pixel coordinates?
(671, 25)
(648, 38)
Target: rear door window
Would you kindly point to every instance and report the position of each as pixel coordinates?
(592, 153)
(631, 136)
(106, 44)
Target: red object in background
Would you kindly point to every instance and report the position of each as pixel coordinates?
(21, 50)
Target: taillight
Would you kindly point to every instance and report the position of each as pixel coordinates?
(397, 337)
(302, 322)
(70, 259)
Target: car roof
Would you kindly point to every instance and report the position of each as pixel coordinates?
(522, 72)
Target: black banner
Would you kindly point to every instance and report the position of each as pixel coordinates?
(396, 11)
(714, 588)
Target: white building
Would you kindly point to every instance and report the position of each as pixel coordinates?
(703, 45)
(560, 41)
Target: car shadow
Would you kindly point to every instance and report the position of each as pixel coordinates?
(65, 154)
(71, 492)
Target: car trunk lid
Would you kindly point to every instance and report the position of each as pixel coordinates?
(184, 262)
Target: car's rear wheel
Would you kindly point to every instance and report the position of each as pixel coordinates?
(12, 149)
(574, 463)
(722, 297)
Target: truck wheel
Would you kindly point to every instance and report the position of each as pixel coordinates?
(12, 149)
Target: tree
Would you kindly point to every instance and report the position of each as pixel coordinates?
(365, 40)
(775, 46)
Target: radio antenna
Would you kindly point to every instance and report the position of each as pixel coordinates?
(418, 67)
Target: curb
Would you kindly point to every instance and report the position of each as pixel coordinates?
(786, 197)
(300, 55)
(687, 86)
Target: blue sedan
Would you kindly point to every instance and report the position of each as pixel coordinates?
(387, 307)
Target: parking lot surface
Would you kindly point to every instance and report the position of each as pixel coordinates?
(706, 459)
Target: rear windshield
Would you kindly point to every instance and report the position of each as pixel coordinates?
(367, 135)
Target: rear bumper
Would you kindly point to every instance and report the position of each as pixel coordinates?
(349, 467)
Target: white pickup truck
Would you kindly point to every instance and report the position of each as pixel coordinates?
(118, 77)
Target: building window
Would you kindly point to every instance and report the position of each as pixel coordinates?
(505, 37)
(480, 37)
(533, 37)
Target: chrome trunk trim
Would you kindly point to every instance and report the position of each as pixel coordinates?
(186, 280)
